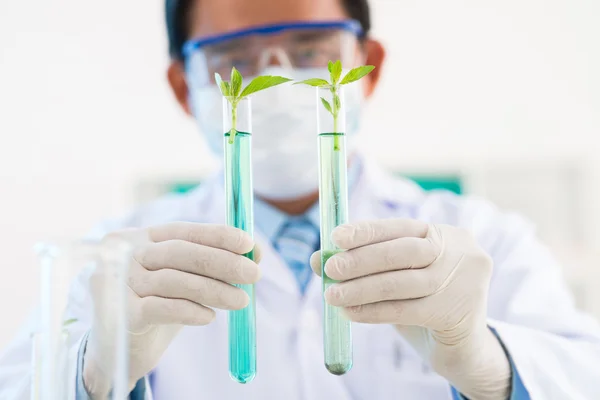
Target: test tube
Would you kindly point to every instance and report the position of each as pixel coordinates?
(109, 282)
(333, 203)
(36, 366)
(57, 266)
(237, 124)
(106, 266)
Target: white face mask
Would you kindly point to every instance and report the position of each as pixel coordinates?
(284, 131)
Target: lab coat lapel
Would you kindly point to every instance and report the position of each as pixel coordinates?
(275, 270)
(378, 195)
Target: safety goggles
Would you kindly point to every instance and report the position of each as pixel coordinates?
(290, 45)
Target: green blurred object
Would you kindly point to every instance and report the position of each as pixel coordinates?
(438, 182)
(452, 183)
(183, 187)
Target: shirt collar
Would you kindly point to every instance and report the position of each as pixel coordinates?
(270, 220)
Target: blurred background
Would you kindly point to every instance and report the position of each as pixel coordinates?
(497, 98)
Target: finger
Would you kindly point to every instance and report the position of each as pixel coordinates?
(350, 236)
(397, 254)
(416, 312)
(160, 311)
(396, 285)
(199, 260)
(219, 236)
(256, 254)
(315, 262)
(173, 284)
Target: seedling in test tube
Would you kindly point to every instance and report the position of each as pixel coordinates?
(333, 200)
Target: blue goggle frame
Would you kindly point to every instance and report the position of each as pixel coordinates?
(348, 25)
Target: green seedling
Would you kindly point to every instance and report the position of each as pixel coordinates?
(68, 322)
(335, 73)
(234, 93)
(65, 328)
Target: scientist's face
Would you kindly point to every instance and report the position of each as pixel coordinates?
(212, 17)
(284, 155)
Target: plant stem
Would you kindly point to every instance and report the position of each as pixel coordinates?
(233, 130)
(336, 140)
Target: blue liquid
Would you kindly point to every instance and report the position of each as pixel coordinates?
(333, 204)
(239, 206)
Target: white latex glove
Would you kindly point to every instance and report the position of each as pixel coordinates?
(177, 273)
(431, 282)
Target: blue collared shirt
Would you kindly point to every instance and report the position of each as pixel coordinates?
(269, 220)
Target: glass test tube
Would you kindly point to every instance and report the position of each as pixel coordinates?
(36, 366)
(109, 281)
(333, 202)
(106, 265)
(57, 267)
(237, 125)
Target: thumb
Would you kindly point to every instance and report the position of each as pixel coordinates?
(315, 262)
(257, 253)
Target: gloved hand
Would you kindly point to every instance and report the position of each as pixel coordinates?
(431, 282)
(177, 273)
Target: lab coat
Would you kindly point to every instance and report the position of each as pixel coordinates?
(554, 347)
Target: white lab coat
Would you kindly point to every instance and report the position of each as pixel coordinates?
(555, 348)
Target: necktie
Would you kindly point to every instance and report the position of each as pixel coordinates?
(296, 241)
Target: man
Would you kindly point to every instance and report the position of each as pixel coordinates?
(451, 298)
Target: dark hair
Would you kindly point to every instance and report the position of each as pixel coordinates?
(178, 29)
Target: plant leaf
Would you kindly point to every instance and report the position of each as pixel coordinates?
(69, 322)
(327, 105)
(330, 66)
(223, 86)
(235, 82)
(357, 73)
(336, 72)
(263, 82)
(313, 82)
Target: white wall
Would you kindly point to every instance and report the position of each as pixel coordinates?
(507, 94)
(85, 112)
